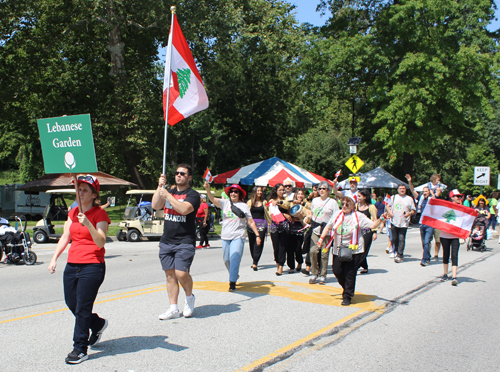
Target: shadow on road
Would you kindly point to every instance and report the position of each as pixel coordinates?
(208, 311)
(132, 344)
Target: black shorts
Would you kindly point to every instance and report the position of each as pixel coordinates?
(176, 256)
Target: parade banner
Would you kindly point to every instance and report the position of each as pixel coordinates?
(449, 217)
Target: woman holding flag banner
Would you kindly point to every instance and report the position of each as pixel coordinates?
(455, 222)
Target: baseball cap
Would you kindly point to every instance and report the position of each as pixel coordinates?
(455, 192)
(90, 179)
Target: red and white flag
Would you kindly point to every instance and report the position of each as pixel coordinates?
(187, 93)
(449, 217)
(208, 176)
(276, 215)
(337, 175)
(387, 199)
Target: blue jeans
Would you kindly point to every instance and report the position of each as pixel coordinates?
(426, 234)
(492, 222)
(232, 251)
(81, 284)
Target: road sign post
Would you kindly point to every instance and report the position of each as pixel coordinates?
(481, 176)
(354, 163)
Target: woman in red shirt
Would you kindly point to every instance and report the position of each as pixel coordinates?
(202, 220)
(85, 270)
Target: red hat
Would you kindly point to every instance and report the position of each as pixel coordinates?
(243, 193)
(455, 192)
(90, 179)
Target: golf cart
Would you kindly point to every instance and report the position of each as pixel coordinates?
(140, 219)
(57, 210)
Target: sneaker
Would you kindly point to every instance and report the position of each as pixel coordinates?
(188, 307)
(305, 272)
(398, 259)
(454, 282)
(387, 250)
(392, 255)
(95, 337)
(321, 280)
(199, 247)
(206, 246)
(169, 314)
(444, 278)
(76, 357)
(232, 286)
(312, 279)
(424, 263)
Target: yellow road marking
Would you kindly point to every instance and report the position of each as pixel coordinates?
(293, 345)
(324, 295)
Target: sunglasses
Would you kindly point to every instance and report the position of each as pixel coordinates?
(346, 204)
(86, 178)
(234, 192)
(288, 185)
(322, 188)
(183, 174)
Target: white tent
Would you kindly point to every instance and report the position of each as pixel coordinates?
(376, 178)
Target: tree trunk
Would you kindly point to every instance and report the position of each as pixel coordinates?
(408, 161)
(118, 72)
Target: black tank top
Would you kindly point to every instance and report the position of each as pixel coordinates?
(366, 213)
(257, 212)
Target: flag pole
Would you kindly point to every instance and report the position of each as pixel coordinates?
(168, 71)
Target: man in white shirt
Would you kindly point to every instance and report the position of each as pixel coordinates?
(400, 209)
(352, 192)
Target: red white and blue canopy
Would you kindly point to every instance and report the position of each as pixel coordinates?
(270, 172)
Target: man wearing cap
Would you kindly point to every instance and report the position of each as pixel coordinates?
(400, 209)
(352, 192)
(177, 244)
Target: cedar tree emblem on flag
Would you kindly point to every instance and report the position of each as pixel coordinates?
(187, 93)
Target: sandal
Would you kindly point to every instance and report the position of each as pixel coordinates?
(364, 271)
(291, 271)
(254, 267)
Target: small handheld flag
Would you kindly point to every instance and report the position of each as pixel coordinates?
(208, 176)
(387, 199)
(337, 175)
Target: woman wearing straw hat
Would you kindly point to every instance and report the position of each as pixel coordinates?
(235, 216)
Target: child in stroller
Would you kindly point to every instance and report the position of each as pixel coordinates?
(478, 234)
(16, 245)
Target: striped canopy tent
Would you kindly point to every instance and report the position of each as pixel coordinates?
(270, 172)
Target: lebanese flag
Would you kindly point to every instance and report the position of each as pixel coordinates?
(276, 215)
(387, 199)
(208, 176)
(449, 217)
(337, 175)
(187, 93)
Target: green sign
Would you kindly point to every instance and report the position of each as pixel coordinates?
(67, 144)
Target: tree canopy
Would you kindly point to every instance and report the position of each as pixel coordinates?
(416, 79)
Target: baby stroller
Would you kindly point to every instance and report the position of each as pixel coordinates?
(477, 238)
(16, 245)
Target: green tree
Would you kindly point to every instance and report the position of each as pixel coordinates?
(478, 155)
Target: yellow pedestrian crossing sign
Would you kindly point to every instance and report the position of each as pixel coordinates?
(354, 163)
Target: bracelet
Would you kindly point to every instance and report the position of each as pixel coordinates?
(320, 239)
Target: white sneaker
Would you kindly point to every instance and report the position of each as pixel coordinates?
(387, 250)
(322, 280)
(312, 279)
(392, 255)
(169, 314)
(188, 307)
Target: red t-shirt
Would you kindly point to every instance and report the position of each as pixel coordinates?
(83, 249)
(201, 212)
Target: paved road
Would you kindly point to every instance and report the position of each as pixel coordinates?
(402, 318)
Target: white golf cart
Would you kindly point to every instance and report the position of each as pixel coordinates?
(56, 210)
(140, 219)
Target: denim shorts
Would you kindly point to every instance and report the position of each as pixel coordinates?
(176, 256)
